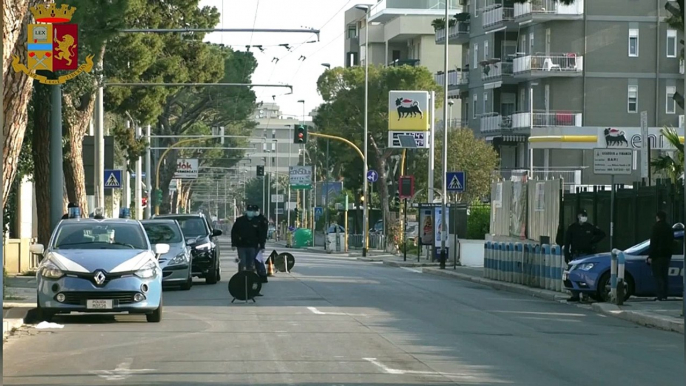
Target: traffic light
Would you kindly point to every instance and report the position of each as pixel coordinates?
(361, 195)
(300, 135)
(144, 202)
(158, 197)
(395, 205)
(260, 170)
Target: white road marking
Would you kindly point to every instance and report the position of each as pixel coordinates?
(317, 312)
(122, 371)
(415, 270)
(389, 370)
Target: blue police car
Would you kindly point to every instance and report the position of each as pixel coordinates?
(591, 275)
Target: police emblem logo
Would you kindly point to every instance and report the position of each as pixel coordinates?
(53, 45)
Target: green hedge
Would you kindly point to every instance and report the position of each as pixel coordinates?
(478, 222)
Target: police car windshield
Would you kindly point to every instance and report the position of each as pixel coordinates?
(87, 235)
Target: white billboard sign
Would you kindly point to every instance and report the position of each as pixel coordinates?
(613, 161)
(187, 169)
(300, 177)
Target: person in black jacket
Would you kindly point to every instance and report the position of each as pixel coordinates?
(660, 255)
(580, 240)
(245, 237)
(263, 229)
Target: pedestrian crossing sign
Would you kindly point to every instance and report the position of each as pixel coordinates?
(113, 179)
(456, 181)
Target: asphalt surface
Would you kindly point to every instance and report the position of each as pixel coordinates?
(338, 321)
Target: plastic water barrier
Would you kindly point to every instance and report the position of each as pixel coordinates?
(529, 264)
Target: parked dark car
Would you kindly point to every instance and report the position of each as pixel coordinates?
(203, 242)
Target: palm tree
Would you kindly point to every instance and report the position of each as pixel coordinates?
(671, 166)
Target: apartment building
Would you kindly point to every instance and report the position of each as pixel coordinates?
(400, 33)
(272, 142)
(539, 73)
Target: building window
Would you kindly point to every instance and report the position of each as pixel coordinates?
(475, 100)
(633, 42)
(486, 103)
(485, 50)
(632, 99)
(531, 43)
(476, 56)
(671, 43)
(670, 107)
(352, 31)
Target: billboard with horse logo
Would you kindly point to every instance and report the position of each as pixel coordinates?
(408, 111)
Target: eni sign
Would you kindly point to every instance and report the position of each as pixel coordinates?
(53, 45)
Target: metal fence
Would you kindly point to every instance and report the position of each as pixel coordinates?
(635, 210)
(376, 242)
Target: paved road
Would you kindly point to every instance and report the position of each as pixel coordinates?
(337, 321)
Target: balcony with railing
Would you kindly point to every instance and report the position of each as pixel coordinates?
(404, 62)
(455, 79)
(387, 10)
(497, 16)
(546, 119)
(547, 10)
(495, 69)
(491, 123)
(457, 34)
(544, 66)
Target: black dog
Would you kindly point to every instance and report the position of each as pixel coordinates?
(615, 140)
(404, 112)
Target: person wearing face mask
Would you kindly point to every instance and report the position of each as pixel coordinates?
(580, 240)
(245, 237)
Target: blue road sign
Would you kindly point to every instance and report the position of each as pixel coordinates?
(318, 211)
(113, 179)
(372, 176)
(456, 182)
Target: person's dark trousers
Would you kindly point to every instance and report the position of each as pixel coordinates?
(660, 268)
(246, 258)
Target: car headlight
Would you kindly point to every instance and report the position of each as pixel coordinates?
(178, 260)
(51, 271)
(148, 271)
(586, 266)
(202, 247)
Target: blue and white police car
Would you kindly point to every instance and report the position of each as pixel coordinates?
(591, 275)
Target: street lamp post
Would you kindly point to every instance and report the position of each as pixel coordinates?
(444, 193)
(365, 213)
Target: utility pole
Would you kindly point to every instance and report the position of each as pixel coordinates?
(148, 177)
(56, 170)
(138, 181)
(99, 147)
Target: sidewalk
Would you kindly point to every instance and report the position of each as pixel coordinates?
(20, 298)
(642, 311)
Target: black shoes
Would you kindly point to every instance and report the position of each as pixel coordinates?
(574, 299)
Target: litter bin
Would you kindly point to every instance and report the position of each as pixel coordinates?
(302, 238)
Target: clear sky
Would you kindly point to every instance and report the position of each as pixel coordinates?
(327, 15)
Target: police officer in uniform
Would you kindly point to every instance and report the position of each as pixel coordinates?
(580, 240)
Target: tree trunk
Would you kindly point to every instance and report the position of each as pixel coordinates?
(79, 110)
(17, 87)
(41, 159)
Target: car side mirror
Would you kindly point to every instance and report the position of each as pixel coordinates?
(161, 249)
(216, 232)
(37, 249)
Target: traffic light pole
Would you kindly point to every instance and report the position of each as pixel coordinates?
(405, 233)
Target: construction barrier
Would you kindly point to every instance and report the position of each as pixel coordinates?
(529, 264)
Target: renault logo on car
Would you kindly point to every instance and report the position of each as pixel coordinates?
(99, 277)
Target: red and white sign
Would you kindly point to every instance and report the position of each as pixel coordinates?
(187, 169)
